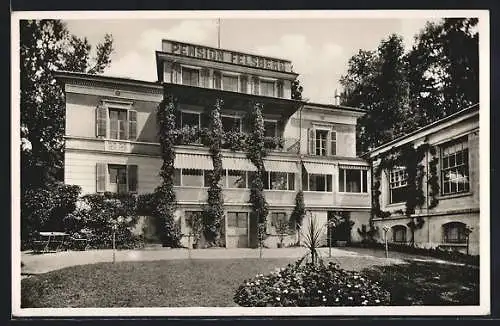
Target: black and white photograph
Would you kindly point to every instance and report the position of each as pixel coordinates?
(250, 163)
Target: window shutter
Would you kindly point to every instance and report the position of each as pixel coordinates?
(333, 142)
(132, 178)
(101, 121)
(101, 177)
(132, 125)
(310, 141)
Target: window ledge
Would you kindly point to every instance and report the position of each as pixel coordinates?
(457, 195)
(395, 204)
(318, 192)
(354, 193)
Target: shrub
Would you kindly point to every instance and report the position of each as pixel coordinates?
(45, 209)
(311, 285)
(101, 212)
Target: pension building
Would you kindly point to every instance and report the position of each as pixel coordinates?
(112, 140)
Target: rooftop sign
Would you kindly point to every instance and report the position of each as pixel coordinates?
(221, 55)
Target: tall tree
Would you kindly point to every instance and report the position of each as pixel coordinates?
(444, 74)
(47, 46)
(402, 92)
(376, 81)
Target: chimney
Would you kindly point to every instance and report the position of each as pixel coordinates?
(336, 98)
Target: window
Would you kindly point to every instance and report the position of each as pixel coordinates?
(267, 88)
(455, 167)
(353, 180)
(190, 76)
(190, 119)
(192, 178)
(280, 89)
(279, 181)
(398, 182)
(270, 128)
(237, 219)
(399, 233)
(217, 80)
(320, 139)
(320, 182)
(118, 124)
(244, 84)
(231, 124)
(230, 83)
(117, 178)
(236, 179)
(454, 232)
(255, 85)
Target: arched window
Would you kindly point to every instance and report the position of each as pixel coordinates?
(399, 233)
(454, 232)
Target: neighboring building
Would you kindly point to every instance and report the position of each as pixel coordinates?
(111, 139)
(455, 140)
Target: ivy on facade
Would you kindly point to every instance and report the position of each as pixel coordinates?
(433, 180)
(214, 210)
(256, 152)
(165, 199)
(410, 158)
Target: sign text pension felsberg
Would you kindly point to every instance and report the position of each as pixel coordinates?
(204, 52)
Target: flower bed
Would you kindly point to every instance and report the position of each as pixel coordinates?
(311, 285)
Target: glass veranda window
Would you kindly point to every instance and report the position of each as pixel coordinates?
(190, 76)
(230, 83)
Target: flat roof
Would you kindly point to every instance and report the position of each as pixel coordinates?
(425, 130)
(336, 107)
(106, 78)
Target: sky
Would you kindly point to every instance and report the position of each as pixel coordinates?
(319, 48)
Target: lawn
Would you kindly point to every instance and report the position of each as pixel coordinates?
(185, 283)
(167, 283)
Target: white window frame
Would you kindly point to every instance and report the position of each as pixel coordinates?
(108, 182)
(116, 105)
(195, 187)
(268, 80)
(230, 74)
(329, 129)
(287, 180)
(361, 188)
(464, 140)
(326, 182)
(227, 180)
(191, 68)
(403, 181)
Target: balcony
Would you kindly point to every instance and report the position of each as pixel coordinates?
(318, 198)
(280, 197)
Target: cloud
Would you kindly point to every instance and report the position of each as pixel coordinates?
(140, 63)
(319, 66)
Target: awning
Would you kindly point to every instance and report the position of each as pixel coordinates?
(353, 167)
(318, 168)
(239, 164)
(193, 161)
(280, 166)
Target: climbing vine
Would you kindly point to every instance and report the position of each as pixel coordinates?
(256, 152)
(165, 199)
(433, 181)
(214, 210)
(411, 158)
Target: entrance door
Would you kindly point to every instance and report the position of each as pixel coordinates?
(237, 230)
